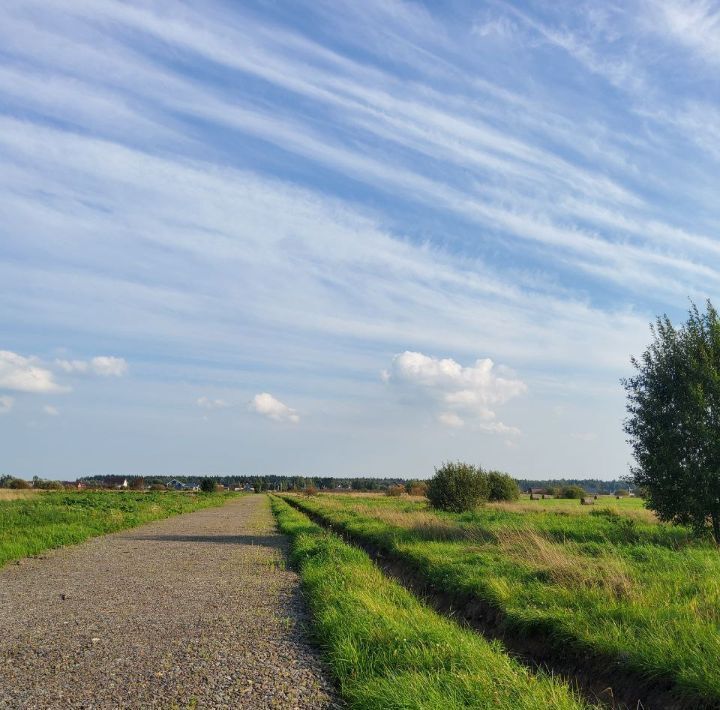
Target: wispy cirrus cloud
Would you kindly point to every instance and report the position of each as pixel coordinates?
(243, 200)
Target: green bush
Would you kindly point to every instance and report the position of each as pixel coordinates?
(502, 487)
(458, 487)
(621, 493)
(571, 492)
(208, 485)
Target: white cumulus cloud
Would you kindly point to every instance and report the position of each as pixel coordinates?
(26, 374)
(50, 410)
(6, 404)
(103, 365)
(271, 407)
(459, 393)
(208, 403)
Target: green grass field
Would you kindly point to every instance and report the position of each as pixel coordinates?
(33, 523)
(606, 579)
(387, 650)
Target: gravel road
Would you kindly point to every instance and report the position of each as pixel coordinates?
(196, 611)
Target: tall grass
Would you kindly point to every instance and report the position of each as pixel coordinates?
(604, 582)
(47, 520)
(389, 651)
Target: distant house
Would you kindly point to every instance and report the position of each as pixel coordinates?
(537, 493)
(81, 485)
(176, 485)
(123, 485)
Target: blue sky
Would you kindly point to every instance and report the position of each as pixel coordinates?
(345, 238)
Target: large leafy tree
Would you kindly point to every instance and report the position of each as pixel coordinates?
(673, 421)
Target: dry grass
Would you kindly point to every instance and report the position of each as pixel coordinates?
(562, 564)
(425, 524)
(574, 508)
(11, 494)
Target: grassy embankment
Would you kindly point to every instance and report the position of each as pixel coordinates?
(42, 521)
(387, 650)
(605, 579)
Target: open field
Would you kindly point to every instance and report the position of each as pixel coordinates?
(38, 521)
(606, 581)
(388, 650)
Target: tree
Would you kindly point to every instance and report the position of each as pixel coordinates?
(673, 422)
(457, 487)
(572, 492)
(18, 483)
(208, 485)
(137, 483)
(502, 487)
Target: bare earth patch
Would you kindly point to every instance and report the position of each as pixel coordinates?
(193, 611)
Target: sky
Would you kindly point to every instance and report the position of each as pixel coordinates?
(343, 238)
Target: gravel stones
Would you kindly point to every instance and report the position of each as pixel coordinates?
(196, 611)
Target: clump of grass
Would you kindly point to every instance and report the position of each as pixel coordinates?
(387, 650)
(48, 520)
(564, 564)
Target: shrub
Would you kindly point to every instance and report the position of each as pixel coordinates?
(457, 487)
(310, 491)
(571, 492)
(502, 487)
(395, 491)
(137, 484)
(158, 487)
(621, 493)
(18, 483)
(208, 485)
(54, 486)
(417, 488)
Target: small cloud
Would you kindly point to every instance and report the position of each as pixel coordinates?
(102, 365)
(267, 405)
(50, 410)
(6, 404)
(108, 366)
(462, 395)
(72, 365)
(207, 403)
(451, 419)
(26, 374)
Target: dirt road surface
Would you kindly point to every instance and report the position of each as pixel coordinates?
(196, 611)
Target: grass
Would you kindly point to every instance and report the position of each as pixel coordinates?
(389, 651)
(12, 494)
(41, 521)
(605, 579)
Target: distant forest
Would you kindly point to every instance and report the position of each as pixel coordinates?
(288, 483)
